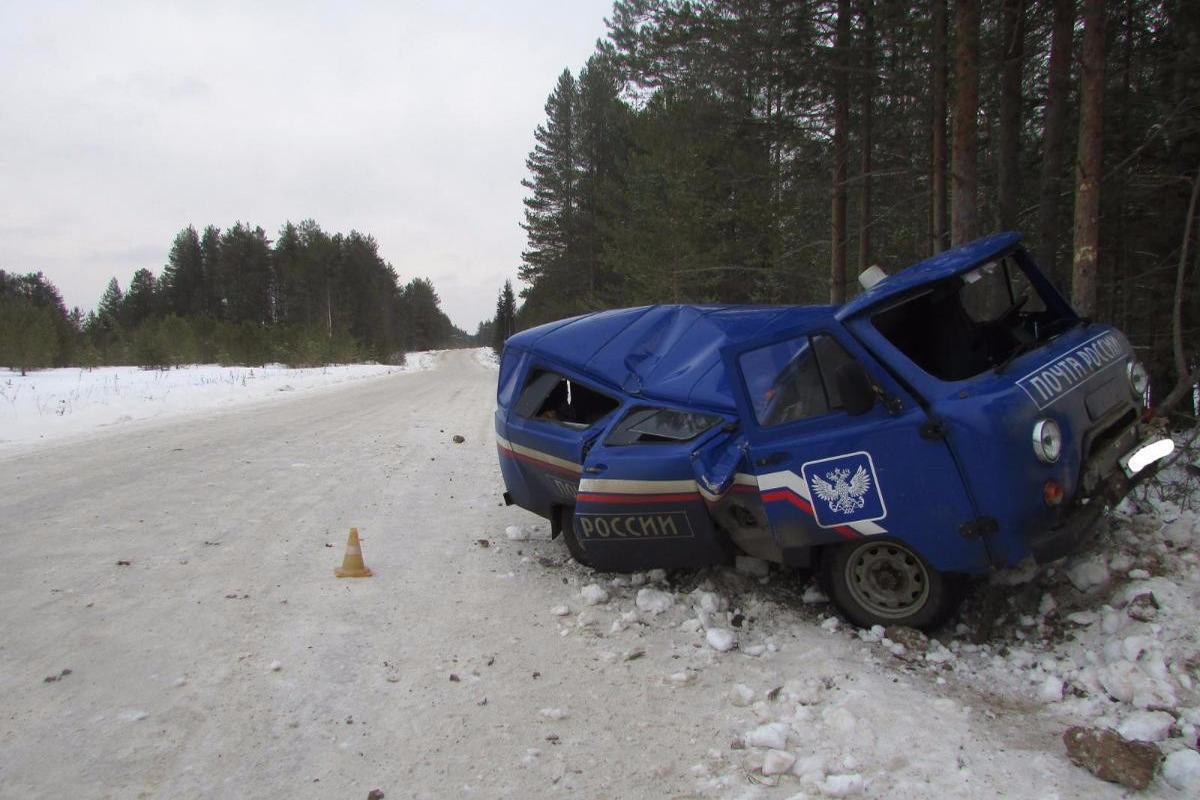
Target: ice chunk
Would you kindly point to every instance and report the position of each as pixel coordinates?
(654, 601)
(741, 695)
(721, 639)
(773, 735)
(516, 533)
(1182, 770)
(1051, 690)
(594, 594)
(814, 596)
(1146, 726)
(847, 785)
(711, 602)
(778, 762)
(1089, 572)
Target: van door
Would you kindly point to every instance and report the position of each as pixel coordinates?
(544, 437)
(639, 505)
(825, 476)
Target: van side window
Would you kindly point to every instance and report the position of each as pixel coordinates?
(793, 379)
(550, 396)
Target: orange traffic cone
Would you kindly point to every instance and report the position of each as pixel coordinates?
(352, 563)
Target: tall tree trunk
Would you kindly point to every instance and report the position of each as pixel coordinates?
(1009, 144)
(1181, 361)
(937, 165)
(841, 116)
(868, 102)
(964, 210)
(1089, 160)
(1053, 139)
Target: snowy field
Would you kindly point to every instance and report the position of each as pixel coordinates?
(51, 404)
(184, 636)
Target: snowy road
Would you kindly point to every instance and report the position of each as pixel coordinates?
(226, 660)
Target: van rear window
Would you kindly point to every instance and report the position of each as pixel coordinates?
(556, 398)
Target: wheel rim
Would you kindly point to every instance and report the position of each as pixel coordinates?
(887, 579)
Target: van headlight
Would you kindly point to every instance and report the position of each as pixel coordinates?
(1047, 440)
(1139, 379)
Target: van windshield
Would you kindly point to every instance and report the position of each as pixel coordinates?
(967, 324)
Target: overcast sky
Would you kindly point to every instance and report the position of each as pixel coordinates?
(123, 122)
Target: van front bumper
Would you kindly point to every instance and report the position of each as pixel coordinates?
(1108, 476)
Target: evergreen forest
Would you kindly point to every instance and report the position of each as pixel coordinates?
(233, 297)
(766, 151)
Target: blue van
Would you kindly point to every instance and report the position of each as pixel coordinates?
(955, 417)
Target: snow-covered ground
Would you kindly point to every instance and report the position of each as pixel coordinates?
(51, 404)
(184, 636)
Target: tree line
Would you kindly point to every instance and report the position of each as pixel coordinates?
(233, 297)
(765, 151)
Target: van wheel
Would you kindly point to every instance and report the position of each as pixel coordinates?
(566, 525)
(882, 582)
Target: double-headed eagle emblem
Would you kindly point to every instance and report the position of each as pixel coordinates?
(845, 494)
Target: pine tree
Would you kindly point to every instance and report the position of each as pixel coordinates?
(182, 283)
(551, 208)
(505, 322)
(141, 301)
(27, 334)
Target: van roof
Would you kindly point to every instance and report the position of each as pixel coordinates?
(670, 353)
(943, 265)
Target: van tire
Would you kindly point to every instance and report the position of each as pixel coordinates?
(883, 582)
(566, 525)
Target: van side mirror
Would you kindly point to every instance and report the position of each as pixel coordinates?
(855, 388)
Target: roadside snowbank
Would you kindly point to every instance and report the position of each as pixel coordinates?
(1107, 639)
(52, 404)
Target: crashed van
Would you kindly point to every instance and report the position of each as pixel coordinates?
(955, 417)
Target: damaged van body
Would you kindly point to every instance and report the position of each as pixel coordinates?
(955, 417)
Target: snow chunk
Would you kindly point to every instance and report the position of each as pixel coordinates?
(625, 620)
(773, 735)
(654, 601)
(814, 596)
(554, 713)
(276, 666)
(752, 567)
(1121, 562)
(1051, 690)
(1146, 726)
(711, 602)
(843, 785)
(594, 594)
(778, 762)
(516, 533)
(1182, 770)
(560, 611)
(691, 625)
(1088, 572)
(721, 639)
(741, 695)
